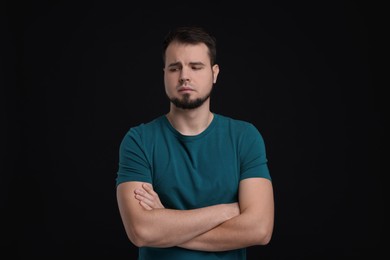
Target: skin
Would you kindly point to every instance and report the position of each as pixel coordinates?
(189, 79)
(188, 75)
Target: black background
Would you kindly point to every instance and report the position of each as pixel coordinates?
(75, 77)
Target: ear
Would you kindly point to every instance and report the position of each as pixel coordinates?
(215, 73)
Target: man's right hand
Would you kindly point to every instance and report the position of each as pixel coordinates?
(148, 198)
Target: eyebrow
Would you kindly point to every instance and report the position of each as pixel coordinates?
(191, 63)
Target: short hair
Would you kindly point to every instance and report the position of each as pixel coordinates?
(191, 35)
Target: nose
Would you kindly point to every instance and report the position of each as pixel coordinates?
(184, 78)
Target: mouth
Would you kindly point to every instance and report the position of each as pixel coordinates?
(185, 89)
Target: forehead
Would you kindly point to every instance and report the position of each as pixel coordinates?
(184, 52)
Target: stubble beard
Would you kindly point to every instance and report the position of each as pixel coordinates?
(186, 103)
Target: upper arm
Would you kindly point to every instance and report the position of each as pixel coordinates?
(129, 208)
(257, 202)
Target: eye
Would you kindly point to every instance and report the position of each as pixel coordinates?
(173, 69)
(197, 67)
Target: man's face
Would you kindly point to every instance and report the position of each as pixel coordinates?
(188, 75)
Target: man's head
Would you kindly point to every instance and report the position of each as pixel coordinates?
(190, 69)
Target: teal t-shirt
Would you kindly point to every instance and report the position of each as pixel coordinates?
(190, 172)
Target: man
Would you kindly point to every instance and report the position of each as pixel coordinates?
(193, 184)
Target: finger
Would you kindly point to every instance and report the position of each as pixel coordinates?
(145, 206)
(144, 193)
(139, 191)
(148, 196)
(149, 188)
(144, 199)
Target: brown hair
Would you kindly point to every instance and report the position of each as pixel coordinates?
(191, 35)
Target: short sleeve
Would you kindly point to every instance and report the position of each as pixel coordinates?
(253, 159)
(133, 163)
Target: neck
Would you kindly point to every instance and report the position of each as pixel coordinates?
(190, 122)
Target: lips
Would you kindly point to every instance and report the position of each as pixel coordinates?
(185, 89)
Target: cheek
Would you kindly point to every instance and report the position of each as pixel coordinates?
(170, 86)
(170, 80)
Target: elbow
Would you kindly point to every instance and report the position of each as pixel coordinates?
(263, 236)
(142, 236)
(137, 241)
(138, 236)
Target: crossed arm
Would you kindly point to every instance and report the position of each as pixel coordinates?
(215, 228)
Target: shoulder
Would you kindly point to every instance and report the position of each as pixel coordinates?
(145, 130)
(146, 127)
(234, 123)
(244, 132)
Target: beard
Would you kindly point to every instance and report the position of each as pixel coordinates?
(186, 103)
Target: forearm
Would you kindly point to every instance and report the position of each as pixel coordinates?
(166, 227)
(252, 226)
(238, 232)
